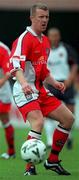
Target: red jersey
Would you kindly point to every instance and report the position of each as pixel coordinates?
(30, 54)
(5, 92)
(4, 57)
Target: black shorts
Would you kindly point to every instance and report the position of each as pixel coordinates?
(68, 97)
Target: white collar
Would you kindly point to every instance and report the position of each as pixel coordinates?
(31, 31)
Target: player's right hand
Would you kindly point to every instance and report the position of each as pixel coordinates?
(27, 89)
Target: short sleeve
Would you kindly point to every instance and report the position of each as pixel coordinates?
(20, 53)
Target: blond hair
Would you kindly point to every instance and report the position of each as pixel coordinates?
(38, 6)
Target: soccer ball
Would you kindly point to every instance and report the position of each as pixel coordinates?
(33, 151)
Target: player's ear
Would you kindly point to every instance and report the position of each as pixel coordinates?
(31, 18)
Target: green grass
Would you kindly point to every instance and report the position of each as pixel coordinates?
(13, 169)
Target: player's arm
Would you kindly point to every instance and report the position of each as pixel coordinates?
(19, 55)
(25, 86)
(47, 78)
(5, 66)
(58, 85)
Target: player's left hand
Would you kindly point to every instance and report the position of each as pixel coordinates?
(60, 86)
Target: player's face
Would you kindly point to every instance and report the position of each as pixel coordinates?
(54, 37)
(40, 20)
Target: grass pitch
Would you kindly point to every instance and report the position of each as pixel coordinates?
(13, 169)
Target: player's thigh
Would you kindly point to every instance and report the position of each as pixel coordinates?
(62, 114)
(70, 107)
(4, 117)
(36, 119)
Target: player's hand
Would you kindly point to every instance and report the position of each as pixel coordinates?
(27, 89)
(60, 86)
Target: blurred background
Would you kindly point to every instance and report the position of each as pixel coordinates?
(64, 14)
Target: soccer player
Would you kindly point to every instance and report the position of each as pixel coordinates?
(28, 64)
(62, 63)
(5, 100)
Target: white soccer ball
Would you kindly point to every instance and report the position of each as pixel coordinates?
(33, 151)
